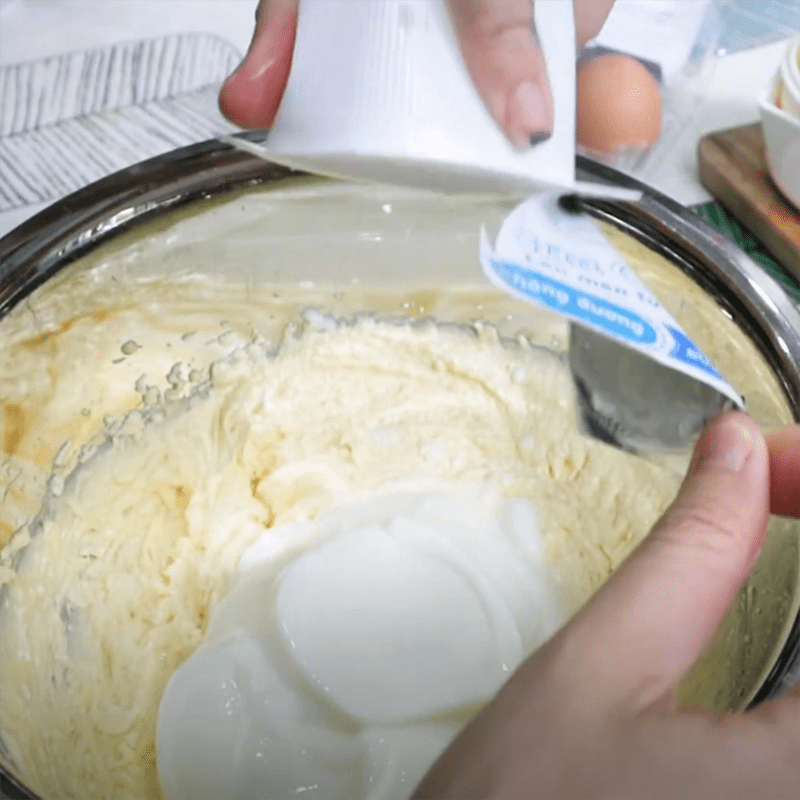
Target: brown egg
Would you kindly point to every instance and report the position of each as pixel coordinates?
(618, 104)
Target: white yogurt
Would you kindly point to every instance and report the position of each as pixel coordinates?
(351, 649)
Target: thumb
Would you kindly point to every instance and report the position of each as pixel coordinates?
(648, 625)
(503, 57)
(251, 95)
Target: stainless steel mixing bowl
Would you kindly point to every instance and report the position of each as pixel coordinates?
(111, 216)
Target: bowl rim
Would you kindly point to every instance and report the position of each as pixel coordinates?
(67, 229)
(46, 243)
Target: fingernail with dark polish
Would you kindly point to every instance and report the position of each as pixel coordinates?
(527, 111)
(539, 137)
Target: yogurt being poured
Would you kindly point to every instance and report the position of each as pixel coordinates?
(351, 649)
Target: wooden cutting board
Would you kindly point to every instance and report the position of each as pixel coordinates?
(734, 169)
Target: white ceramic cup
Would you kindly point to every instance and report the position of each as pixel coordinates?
(781, 129)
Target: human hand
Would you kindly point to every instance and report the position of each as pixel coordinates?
(497, 39)
(591, 714)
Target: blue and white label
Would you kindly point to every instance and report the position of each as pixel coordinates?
(564, 263)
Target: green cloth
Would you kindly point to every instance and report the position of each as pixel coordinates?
(716, 216)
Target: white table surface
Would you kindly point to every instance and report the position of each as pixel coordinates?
(33, 29)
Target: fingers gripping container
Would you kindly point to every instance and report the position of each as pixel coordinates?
(378, 91)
